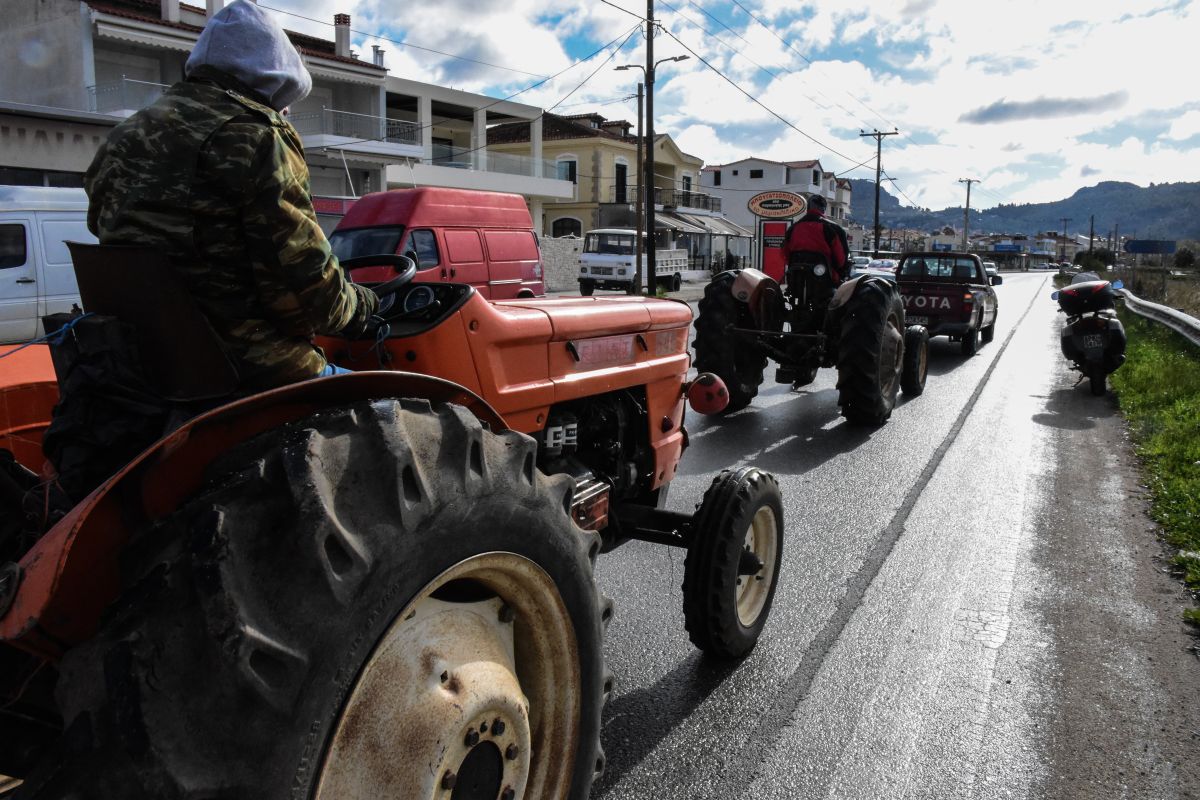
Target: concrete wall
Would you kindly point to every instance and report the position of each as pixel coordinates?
(43, 53)
(560, 263)
(54, 145)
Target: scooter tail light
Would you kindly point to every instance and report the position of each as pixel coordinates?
(707, 394)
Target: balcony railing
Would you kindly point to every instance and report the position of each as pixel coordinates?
(124, 96)
(359, 127)
(505, 163)
(665, 197)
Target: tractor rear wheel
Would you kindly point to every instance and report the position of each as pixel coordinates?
(734, 360)
(586, 288)
(916, 360)
(732, 564)
(870, 351)
(384, 600)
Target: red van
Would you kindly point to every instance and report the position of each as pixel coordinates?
(485, 239)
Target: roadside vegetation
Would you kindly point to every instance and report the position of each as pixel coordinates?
(1159, 392)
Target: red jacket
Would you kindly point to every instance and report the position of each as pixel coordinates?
(812, 233)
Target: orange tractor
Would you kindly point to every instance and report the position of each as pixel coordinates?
(370, 585)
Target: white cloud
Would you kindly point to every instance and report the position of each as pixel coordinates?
(1185, 127)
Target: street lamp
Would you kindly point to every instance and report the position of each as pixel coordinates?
(648, 168)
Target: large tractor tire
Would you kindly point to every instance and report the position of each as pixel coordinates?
(870, 354)
(916, 360)
(718, 351)
(732, 564)
(385, 600)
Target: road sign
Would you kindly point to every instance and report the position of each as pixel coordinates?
(1144, 246)
(777, 205)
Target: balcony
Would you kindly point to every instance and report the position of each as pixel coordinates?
(666, 198)
(358, 133)
(504, 163)
(123, 98)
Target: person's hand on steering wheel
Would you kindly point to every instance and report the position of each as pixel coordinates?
(405, 268)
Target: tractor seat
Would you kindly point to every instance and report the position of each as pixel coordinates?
(182, 356)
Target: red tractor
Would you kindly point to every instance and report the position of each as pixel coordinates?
(810, 322)
(370, 585)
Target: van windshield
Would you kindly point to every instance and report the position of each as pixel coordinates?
(616, 244)
(358, 242)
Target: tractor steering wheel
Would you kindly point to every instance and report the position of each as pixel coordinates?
(386, 291)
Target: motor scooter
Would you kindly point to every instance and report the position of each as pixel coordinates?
(1092, 339)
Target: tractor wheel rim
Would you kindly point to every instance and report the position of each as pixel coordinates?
(456, 696)
(762, 539)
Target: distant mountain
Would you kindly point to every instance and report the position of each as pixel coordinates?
(1163, 211)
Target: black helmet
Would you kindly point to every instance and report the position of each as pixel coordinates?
(817, 203)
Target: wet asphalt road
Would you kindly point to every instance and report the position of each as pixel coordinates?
(933, 634)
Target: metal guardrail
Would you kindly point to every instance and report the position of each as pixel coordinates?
(1183, 324)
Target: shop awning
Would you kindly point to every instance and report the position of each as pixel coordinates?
(676, 222)
(717, 226)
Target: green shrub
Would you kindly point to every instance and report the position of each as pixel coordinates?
(1159, 392)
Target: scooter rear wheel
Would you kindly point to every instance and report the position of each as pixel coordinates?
(1098, 380)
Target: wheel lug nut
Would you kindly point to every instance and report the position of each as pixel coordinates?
(472, 738)
(508, 793)
(511, 752)
(497, 727)
(449, 779)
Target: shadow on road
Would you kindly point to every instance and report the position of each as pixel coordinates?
(788, 438)
(635, 724)
(1074, 408)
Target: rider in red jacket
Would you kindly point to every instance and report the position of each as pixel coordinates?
(812, 235)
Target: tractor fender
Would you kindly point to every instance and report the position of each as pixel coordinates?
(845, 292)
(72, 574)
(763, 295)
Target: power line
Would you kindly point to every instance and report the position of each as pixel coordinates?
(754, 99)
(809, 61)
(399, 43)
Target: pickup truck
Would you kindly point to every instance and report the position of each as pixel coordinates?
(951, 295)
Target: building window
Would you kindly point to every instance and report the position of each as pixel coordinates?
(566, 171)
(717, 178)
(621, 185)
(565, 226)
(735, 172)
(12, 246)
(19, 176)
(687, 183)
(756, 173)
(816, 177)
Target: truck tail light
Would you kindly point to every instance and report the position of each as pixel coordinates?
(968, 299)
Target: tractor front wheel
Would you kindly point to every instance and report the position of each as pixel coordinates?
(385, 600)
(719, 351)
(733, 561)
(870, 353)
(916, 360)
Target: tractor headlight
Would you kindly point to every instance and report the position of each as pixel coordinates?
(818, 270)
(583, 270)
(621, 271)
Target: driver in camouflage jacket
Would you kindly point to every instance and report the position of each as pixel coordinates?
(214, 176)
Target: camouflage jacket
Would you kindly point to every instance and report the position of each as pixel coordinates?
(218, 182)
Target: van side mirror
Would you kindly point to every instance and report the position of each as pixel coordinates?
(413, 255)
(997, 280)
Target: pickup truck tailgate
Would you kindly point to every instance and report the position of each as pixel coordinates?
(930, 303)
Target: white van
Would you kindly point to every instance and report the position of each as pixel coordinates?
(36, 275)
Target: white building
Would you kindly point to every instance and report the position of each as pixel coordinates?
(737, 182)
(74, 68)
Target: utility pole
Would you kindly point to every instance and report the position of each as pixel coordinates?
(878, 135)
(967, 210)
(639, 203)
(648, 183)
(1091, 233)
(1063, 252)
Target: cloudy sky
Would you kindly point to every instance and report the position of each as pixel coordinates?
(1036, 98)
